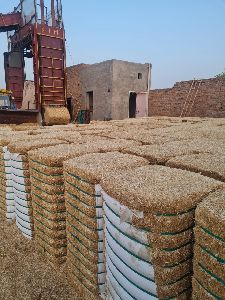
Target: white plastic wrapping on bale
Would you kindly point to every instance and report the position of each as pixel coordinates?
(130, 274)
(128, 286)
(113, 289)
(10, 205)
(23, 219)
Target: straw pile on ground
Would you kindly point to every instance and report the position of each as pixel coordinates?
(47, 184)
(21, 185)
(165, 199)
(56, 115)
(85, 235)
(209, 254)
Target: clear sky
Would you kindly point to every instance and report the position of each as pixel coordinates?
(182, 39)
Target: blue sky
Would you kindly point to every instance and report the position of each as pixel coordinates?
(182, 39)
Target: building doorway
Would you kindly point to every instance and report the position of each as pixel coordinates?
(90, 101)
(132, 105)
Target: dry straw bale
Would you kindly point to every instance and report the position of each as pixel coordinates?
(173, 274)
(55, 156)
(158, 189)
(205, 238)
(210, 214)
(22, 147)
(211, 263)
(211, 165)
(56, 115)
(164, 192)
(160, 154)
(92, 167)
(210, 283)
(199, 292)
(164, 223)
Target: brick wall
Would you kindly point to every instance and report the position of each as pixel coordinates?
(203, 98)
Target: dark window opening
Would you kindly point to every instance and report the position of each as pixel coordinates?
(139, 75)
(90, 98)
(132, 105)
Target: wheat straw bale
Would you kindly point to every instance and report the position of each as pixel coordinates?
(160, 154)
(171, 257)
(78, 182)
(164, 223)
(44, 177)
(92, 167)
(210, 213)
(51, 198)
(83, 250)
(173, 273)
(44, 169)
(159, 189)
(163, 192)
(53, 216)
(211, 263)
(210, 283)
(50, 206)
(211, 165)
(76, 256)
(54, 156)
(50, 224)
(172, 240)
(89, 211)
(208, 241)
(90, 233)
(54, 234)
(74, 211)
(56, 115)
(199, 292)
(48, 188)
(180, 289)
(22, 147)
(51, 258)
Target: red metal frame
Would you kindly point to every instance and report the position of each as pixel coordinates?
(48, 49)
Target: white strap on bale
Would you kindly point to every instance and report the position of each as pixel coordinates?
(10, 205)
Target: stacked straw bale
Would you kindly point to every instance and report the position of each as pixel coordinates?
(7, 203)
(56, 115)
(47, 184)
(85, 236)
(20, 178)
(211, 165)
(160, 201)
(209, 250)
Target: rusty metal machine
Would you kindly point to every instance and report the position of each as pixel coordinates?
(35, 30)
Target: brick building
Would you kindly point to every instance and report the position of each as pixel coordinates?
(112, 89)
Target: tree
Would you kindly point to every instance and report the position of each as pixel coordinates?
(221, 75)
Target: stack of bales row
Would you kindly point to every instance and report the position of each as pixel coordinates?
(20, 178)
(209, 251)
(7, 204)
(85, 234)
(160, 201)
(6, 191)
(47, 184)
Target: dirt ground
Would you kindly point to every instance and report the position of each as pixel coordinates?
(24, 275)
